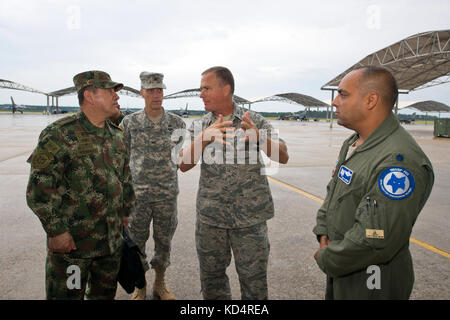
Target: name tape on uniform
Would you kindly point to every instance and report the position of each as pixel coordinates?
(374, 234)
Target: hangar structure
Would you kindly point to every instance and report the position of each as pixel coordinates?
(295, 98)
(292, 97)
(189, 93)
(7, 84)
(127, 91)
(417, 62)
(429, 106)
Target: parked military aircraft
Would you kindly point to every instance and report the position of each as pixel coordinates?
(406, 118)
(16, 107)
(127, 111)
(299, 116)
(184, 113)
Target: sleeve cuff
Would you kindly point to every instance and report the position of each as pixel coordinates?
(54, 229)
(321, 258)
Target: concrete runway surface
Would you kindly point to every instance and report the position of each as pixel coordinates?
(296, 188)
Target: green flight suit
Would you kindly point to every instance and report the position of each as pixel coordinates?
(373, 201)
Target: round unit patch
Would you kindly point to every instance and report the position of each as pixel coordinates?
(396, 183)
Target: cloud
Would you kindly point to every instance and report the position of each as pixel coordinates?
(271, 47)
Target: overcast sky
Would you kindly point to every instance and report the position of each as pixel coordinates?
(270, 46)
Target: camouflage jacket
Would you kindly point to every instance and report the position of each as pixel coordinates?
(119, 119)
(80, 183)
(154, 152)
(233, 192)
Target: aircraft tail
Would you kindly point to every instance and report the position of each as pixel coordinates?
(12, 101)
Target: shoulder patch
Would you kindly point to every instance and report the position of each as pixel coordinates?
(41, 159)
(396, 183)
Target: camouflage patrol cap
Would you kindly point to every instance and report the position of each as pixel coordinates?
(150, 80)
(98, 79)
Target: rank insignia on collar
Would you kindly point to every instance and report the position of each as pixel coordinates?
(345, 174)
(396, 183)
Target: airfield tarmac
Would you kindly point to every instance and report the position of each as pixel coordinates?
(296, 189)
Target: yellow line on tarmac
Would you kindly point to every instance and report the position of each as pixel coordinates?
(303, 193)
(430, 247)
(315, 198)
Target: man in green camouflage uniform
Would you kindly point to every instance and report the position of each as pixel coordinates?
(80, 188)
(148, 137)
(234, 199)
(117, 118)
(381, 182)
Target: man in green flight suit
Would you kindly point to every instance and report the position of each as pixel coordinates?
(379, 186)
(80, 188)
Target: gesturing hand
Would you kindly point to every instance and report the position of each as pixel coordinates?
(251, 130)
(219, 131)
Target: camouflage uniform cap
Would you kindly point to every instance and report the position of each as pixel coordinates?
(151, 80)
(98, 79)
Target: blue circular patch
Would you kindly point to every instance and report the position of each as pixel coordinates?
(396, 183)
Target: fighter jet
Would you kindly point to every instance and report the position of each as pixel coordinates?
(16, 107)
(299, 116)
(406, 118)
(184, 113)
(127, 111)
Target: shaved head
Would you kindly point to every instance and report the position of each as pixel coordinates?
(380, 80)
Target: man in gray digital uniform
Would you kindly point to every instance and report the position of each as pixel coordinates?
(234, 200)
(155, 178)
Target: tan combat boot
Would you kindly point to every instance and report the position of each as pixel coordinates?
(159, 287)
(139, 294)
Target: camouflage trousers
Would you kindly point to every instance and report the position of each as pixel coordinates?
(250, 248)
(165, 221)
(66, 278)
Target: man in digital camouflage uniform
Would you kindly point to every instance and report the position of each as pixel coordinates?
(381, 183)
(80, 188)
(234, 199)
(148, 137)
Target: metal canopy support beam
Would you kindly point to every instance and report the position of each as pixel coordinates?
(17, 86)
(429, 106)
(189, 93)
(295, 98)
(396, 106)
(332, 99)
(417, 62)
